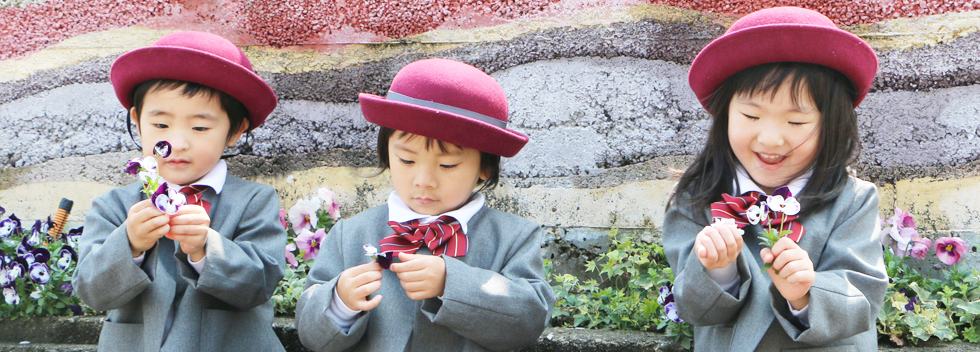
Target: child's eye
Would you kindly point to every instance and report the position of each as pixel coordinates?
(160, 125)
(201, 128)
(750, 117)
(797, 123)
(444, 166)
(407, 162)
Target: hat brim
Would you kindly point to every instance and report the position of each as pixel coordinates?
(733, 52)
(167, 62)
(441, 125)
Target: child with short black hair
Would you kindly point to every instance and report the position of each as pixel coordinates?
(781, 85)
(470, 278)
(200, 279)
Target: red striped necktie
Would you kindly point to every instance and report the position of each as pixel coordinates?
(735, 208)
(194, 195)
(442, 236)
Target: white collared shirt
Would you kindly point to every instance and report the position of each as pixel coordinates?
(398, 211)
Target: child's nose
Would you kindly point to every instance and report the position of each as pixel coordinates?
(424, 179)
(178, 141)
(771, 136)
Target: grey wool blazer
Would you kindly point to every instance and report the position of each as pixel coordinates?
(496, 296)
(841, 240)
(225, 308)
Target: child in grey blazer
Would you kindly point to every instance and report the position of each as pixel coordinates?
(467, 277)
(781, 85)
(199, 277)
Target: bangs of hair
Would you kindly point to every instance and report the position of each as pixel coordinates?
(488, 162)
(832, 94)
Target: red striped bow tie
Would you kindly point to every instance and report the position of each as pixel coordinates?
(441, 236)
(735, 208)
(194, 195)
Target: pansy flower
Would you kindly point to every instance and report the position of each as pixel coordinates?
(73, 236)
(2, 210)
(36, 294)
(329, 199)
(6, 228)
(133, 167)
(303, 214)
(5, 277)
(162, 149)
(671, 309)
(950, 250)
(16, 269)
(10, 295)
(168, 199)
(282, 219)
(666, 295)
(383, 259)
(290, 257)
(34, 239)
(39, 273)
(68, 289)
(68, 256)
(309, 242)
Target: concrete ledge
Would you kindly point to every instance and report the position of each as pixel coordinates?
(82, 334)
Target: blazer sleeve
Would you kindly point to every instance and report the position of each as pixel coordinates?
(850, 278)
(316, 330)
(701, 301)
(106, 277)
(500, 311)
(244, 270)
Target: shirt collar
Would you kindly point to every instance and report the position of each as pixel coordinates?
(398, 211)
(214, 178)
(747, 184)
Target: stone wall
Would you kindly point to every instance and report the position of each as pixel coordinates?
(598, 85)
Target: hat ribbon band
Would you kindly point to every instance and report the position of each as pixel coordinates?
(447, 108)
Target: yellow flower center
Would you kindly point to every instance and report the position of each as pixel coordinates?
(949, 248)
(313, 243)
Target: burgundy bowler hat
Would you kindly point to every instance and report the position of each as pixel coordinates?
(449, 101)
(783, 34)
(197, 57)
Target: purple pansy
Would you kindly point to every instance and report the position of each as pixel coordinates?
(68, 289)
(10, 295)
(16, 268)
(309, 242)
(133, 168)
(6, 228)
(949, 250)
(5, 277)
(912, 303)
(329, 199)
(39, 273)
(162, 149)
(41, 255)
(383, 259)
(68, 256)
(75, 309)
(671, 309)
(34, 239)
(73, 236)
(168, 200)
(666, 295)
(2, 210)
(4, 258)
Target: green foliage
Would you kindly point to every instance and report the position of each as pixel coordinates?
(290, 288)
(625, 297)
(946, 308)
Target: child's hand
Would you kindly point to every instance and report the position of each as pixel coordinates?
(356, 283)
(796, 273)
(718, 245)
(422, 276)
(190, 227)
(145, 224)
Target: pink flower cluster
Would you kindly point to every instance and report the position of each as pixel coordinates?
(902, 239)
(309, 220)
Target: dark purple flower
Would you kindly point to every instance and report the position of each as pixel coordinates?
(17, 268)
(162, 149)
(73, 236)
(41, 255)
(671, 309)
(133, 167)
(4, 258)
(67, 288)
(912, 303)
(67, 256)
(39, 273)
(75, 309)
(10, 295)
(666, 295)
(2, 210)
(384, 259)
(782, 191)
